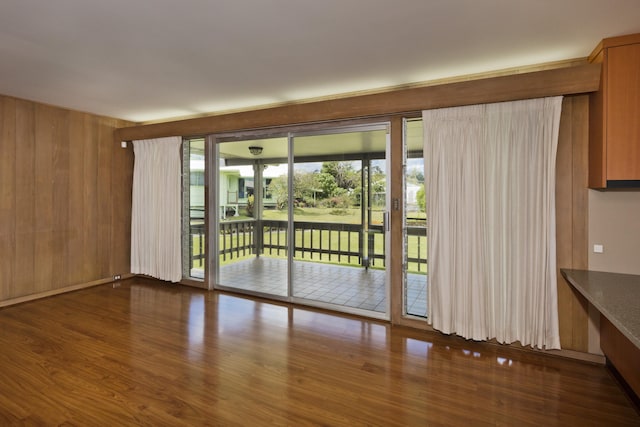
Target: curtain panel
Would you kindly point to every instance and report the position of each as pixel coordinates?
(490, 183)
(155, 211)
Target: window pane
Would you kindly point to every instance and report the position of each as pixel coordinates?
(252, 240)
(415, 223)
(193, 243)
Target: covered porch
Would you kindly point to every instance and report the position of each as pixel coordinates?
(333, 284)
(324, 209)
(331, 274)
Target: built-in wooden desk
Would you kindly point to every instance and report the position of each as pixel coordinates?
(617, 297)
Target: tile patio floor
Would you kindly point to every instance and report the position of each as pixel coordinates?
(333, 284)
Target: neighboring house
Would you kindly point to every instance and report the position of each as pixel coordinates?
(236, 185)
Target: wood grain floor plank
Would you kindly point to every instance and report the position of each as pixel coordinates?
(141, 353)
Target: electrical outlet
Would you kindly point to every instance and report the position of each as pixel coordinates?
(598, 249)
(117, 277)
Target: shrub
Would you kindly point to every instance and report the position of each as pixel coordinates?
(420, 198)
(342, 201)
(249, 207)
(339, 212)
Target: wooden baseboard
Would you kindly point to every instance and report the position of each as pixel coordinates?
(578, 355)
(570, 354)
(194, 283)
(52, 292)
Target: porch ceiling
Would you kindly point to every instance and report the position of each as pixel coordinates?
(318, 146)
(308, 147)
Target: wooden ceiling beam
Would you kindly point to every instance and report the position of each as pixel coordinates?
(561, 81)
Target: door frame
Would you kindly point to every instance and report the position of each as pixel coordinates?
(290, 133)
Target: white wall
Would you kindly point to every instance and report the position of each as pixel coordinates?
(614, 222)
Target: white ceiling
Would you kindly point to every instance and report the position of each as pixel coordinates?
(159, 59)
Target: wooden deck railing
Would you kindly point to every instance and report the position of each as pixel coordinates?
(236, 239)
(332, 242)
(196, 244)
(417, 237)
(315, 240)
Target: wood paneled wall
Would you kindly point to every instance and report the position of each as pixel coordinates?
(65, 199)
(572, 225)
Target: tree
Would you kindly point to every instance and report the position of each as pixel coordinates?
(327, 183)
(345, 175)
(415, 176)
(279, 189)
(377, 174)
(304, 186)
(250, 205)
(420, 199)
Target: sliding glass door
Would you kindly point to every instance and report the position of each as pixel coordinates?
(251, 215)
(301, 216)
(339, 203)
(193, 209)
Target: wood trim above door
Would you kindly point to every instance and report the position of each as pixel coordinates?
(562, 81)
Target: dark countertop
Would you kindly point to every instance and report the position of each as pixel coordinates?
(615, 295)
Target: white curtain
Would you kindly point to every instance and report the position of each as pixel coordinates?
(155, 211)
(490, 183)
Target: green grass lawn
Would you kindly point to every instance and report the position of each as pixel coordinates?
(326, 215)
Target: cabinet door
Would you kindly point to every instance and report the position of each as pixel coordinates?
(623, 112)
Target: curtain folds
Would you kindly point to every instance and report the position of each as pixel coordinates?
(490, 181)
(155, 211)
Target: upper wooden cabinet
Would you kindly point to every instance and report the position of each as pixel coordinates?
(614, 115)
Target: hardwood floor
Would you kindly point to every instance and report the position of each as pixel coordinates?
(136, 353)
